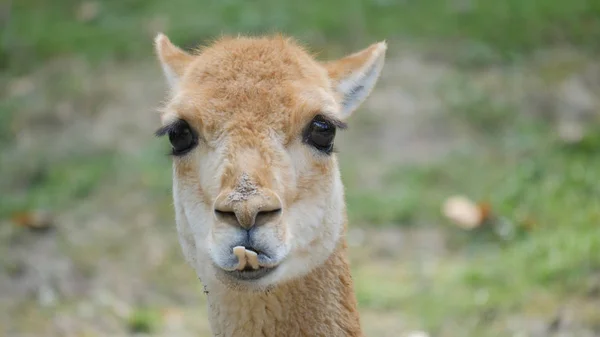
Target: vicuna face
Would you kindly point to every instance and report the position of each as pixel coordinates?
(252, 125)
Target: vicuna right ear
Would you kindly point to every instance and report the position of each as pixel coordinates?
(174, 61)
(355, 75)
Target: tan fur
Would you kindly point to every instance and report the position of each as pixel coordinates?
(250, 99)
(320, 304)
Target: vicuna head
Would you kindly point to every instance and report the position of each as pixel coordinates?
(252, 123)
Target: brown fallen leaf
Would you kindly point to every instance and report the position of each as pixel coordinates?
(486, 210)
(465, 213)
(37, 220)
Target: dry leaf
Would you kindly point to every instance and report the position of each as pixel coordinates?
(463, 212)
(486, 210)
(38, 220)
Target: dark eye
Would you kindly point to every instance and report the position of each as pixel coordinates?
(181, 136)
(320, 134)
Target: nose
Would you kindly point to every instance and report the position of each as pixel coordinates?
(247, 211)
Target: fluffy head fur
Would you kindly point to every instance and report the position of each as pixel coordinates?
(249, 101)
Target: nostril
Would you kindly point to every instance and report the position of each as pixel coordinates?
(263, 217)
(272, 212)
(226, 216)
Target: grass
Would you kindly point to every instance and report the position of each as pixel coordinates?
(55, 185)
(540, 182)
(143, 321)
(37, 30)
(531, 278)
(534, 274)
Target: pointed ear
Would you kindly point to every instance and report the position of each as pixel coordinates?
(174, 61)
(354, 76)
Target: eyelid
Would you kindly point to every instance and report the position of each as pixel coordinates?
(186, 151)
(173, 126)
(338, 123)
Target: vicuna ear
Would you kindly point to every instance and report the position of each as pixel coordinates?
(354, 76)
(174, 61)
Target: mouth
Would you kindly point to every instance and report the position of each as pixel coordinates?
(248, 267)
(249, 274)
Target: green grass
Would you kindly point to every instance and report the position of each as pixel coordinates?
(38, 30)
(144, 321)
(531, 278)
(53, 185)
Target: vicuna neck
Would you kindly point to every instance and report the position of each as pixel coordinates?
(321, 303)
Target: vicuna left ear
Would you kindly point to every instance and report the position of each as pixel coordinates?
(354, 76)
(174, 61)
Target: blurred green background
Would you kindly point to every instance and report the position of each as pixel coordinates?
(494, 100)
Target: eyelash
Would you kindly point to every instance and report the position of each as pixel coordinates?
(176, 127)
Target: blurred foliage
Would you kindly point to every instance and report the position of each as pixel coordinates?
(538, 180)
(54, 185)
(144, 321)
(36, 30)
(514, 162)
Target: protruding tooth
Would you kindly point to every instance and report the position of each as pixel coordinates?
(252, 259)
(240, 252)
